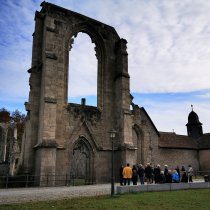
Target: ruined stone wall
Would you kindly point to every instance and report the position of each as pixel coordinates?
(174, 157)
(147, 136)
(58, 128)
(58, 131)
(204, 157)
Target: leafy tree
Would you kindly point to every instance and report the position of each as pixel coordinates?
(19, 119)
(15, 118)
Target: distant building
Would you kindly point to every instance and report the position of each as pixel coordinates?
(194, 148)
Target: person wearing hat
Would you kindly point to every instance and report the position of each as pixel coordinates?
(148, 173)
(141, 173)
(166, 170)
(157, 171)
(169, 177)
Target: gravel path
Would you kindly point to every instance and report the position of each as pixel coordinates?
(19, 195)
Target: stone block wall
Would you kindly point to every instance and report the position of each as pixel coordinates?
(61, 135)
(204, 157)
(176, 157)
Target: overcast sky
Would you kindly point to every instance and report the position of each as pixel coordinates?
(168, 46)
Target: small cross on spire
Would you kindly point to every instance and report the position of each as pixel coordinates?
(192, 107)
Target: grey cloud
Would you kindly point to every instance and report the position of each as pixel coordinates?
(167, 44)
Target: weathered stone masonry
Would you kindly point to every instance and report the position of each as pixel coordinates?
(58, 131)
(73, 139)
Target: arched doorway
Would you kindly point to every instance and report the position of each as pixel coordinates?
(82, 162)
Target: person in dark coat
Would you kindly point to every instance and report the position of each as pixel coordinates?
(141, 173)
(134, 175)
(156, 172)
(148, 173)
(182, 168)
(168, 177)
(184, 177)
(178, 171)
(166, 170)
(162, 178)
(121, 174)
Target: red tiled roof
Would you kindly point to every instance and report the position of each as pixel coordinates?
(175, 141)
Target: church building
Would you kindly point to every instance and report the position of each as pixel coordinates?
(63, 138)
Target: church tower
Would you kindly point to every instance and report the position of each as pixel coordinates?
(194, 127)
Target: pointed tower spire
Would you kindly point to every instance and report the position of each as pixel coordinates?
(194, 126)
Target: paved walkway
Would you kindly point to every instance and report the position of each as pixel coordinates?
(19, 195)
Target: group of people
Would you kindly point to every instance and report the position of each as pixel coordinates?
(154, 174)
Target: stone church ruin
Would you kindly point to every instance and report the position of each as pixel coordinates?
(74, 139)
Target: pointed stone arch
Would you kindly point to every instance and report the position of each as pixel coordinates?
(100, 50)
(54, 121)
(88, 134)
(85, 72)
(83, 161)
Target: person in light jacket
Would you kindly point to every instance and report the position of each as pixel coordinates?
(127, 174)
(190, 173)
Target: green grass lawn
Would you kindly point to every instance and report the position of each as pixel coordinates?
(187, 199)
